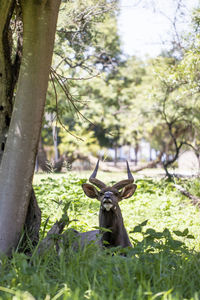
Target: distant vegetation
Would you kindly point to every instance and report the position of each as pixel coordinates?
(108, 100)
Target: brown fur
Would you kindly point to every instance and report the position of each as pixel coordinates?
(111, 219)
(110, 216)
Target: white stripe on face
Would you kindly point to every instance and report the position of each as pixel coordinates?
(107, 201)
(107, 206)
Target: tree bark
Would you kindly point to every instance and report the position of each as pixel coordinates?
(6, 78)
(195, 200)
(32, 226)
(136, 149)
(43, 162)
(115, 157)
(17, 167)
(9, 71)
(55, 142)
(57, 166)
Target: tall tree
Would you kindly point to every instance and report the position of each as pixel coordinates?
(17, 166)
(6, 71)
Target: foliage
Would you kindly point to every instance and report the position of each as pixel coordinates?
(162, 264)
(113, 103)
(82, 25)
(130, 101)
(85, 143)
(87, 43)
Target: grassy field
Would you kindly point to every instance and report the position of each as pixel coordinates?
(163, 264)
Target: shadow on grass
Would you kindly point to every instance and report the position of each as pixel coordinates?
(158, 266)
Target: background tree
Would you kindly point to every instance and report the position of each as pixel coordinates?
(90, 36)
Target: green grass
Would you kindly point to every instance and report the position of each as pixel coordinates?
(163, 263)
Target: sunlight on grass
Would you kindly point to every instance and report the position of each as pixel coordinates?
(107, 176)
(163, 263)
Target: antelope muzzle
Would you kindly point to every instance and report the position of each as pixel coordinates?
(107, 201)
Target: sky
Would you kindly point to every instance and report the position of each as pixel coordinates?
(145, 29)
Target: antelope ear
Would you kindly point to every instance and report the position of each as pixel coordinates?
(90, 190)
(128, 191)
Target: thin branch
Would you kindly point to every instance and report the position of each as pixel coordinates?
(169, 125)
(61, 82)
(196, 150)
(73, 78)
(70, 98)
(57, 114)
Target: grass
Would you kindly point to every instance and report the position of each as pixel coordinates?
(163, 263)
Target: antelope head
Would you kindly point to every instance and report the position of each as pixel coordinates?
(109, 196)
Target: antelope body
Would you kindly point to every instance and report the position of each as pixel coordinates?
(110, 216)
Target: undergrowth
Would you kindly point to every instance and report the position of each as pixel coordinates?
(163, 264)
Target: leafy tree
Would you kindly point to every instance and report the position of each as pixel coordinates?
(109, 98)
(176, 105)
(90, 36)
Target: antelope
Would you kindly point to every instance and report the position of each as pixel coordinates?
(110, 216)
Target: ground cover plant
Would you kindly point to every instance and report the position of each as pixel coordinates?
(163, 263)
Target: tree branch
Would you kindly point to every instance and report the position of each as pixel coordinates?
(195, 200)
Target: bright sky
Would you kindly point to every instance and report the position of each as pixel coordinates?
(143, 30)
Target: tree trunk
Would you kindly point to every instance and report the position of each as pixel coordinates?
(129, 153)
(150, 154)
(136, 149)
(32, 226)
(55, 142)
(115, 158)
(6, 79)
(42, 160)
(57, 167)
(195, 199)
(9, 71)
(17, 167)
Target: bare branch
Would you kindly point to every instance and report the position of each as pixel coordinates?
(57, 114)
(195, 200)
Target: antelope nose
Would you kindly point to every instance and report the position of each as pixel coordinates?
(107, 199)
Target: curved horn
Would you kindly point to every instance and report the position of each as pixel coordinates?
(119, 185)
(94, 180)
(130, 176)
